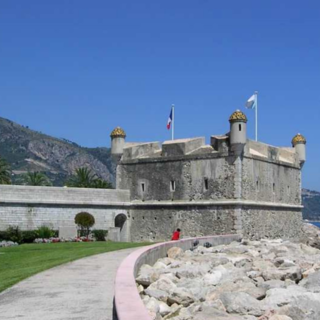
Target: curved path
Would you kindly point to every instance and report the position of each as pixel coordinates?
(83, 289)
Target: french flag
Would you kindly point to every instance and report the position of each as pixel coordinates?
(169, 120)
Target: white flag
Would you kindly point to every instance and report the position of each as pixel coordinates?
(251, 103)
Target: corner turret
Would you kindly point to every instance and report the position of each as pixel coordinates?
(238, 130)
(299, 143)
(117, 141)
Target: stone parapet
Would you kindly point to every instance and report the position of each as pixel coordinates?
(142, 150)
(77, 203)
(264, 152)
(172, 158)
(181, 146)
(58, 195)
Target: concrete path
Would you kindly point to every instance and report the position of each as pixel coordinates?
(82, 289)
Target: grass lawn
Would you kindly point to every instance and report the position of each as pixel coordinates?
(18, 263)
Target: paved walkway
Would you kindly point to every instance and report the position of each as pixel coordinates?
(82, 289)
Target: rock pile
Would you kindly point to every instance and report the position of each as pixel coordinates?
(311, 235)
(265, 280)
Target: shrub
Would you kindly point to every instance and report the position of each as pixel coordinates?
(29, 236)
(13, 233)
(55, 233)
(45, 232)
(3, 235)
(100, 235)
(84, 221)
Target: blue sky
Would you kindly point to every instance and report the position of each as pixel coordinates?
(78, 68)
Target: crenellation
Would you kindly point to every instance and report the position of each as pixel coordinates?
(142, 150)
(181, 147)
(220, 143)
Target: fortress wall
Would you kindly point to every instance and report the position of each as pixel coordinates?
(157, 224)
(220, 173)
(187, 173)
(232, 201)
(249, 219)
(277, 182)
(30, 217)
(272, 223)
(156, 178)
(31, 207)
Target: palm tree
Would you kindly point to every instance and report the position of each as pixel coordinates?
(5, 176)
(83, 178)
(36, 179)
(101, 184)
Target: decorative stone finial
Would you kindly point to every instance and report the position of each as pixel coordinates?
(118, 132)
(298, 138)
(238, 116)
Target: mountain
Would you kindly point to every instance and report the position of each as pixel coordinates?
(28, 150)
(311, 202)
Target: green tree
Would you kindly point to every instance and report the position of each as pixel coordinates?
(36, 179)
(85, 178)
(84, 221)
(5, 174)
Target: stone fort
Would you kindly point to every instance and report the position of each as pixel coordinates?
(231, 186)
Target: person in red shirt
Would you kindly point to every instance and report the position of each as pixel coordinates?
(176, 235)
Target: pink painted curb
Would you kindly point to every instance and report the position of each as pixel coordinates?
(128, 303)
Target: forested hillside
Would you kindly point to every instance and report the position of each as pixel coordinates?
(28, 150)
(311, 202)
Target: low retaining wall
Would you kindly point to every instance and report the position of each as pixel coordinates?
(128, 304)
(30, 207)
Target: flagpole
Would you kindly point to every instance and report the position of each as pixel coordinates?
(256, 107)
(173, 119)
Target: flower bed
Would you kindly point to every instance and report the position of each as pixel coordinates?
(56, 240)
(8, 244)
